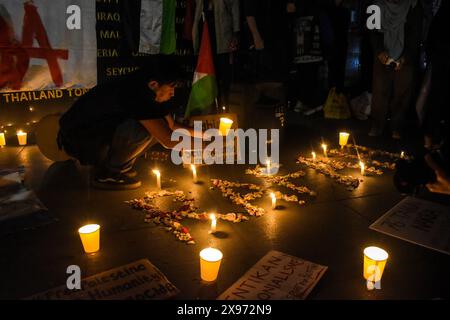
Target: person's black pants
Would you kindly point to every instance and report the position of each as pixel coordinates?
(114, 156)
(392, 91)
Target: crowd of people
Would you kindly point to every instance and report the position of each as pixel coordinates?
(294, 41)
(285, 41)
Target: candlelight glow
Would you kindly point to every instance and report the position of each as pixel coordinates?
(402, 155)
(314, 156)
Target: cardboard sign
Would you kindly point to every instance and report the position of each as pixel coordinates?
(139, 280)
(277, 276)
(418, 221)
(212, 121)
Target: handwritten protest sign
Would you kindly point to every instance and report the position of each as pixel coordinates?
(277, 276)
(418, 221)
(139, 280)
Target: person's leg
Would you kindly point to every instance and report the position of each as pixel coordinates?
(113, 172)
(402, 97)
(382, 85)
(224, 75)
(130, 140)
(437, 110)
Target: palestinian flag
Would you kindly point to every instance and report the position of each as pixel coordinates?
(204, 86)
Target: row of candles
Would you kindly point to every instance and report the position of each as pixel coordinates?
(210, 258)
(21, 138)
(224, 128)
(343, 140)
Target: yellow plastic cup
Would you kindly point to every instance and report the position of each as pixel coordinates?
(22, 138)
(343, 139)
(210, 260)
(225, 126)
(374, 262)
(90, 237)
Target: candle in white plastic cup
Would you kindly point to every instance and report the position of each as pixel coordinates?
(2, 140)
(225, 126)
(374, 263)
(90, 237)
(210, 260)
(22, 138)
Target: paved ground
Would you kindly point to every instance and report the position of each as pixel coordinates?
(331, 230)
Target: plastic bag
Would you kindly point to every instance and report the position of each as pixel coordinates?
(336, 106)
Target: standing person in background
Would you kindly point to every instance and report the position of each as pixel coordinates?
(268, 26)
(224, 27)
(340, 22)
(438, 50)
(397, 49)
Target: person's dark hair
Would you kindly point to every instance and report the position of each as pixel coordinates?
(163, 69)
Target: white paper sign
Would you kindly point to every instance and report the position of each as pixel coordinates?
(140, 280)
(418, 221)
(277, 276)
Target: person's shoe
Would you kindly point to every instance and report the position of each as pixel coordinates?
(115, 182)
(375, 132)
(131, 173)
(396, 135)
(300, 107)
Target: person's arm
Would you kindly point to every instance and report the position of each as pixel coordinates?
(257, 39)
(161, 131)
(442, 183)
(173, 125)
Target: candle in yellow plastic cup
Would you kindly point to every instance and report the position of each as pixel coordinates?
(225, 125)
(210, 260)
(343, 139)
(22, 138)
(2, 140)
(90, 237)
(374, 263)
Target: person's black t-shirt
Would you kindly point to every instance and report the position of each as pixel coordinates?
(107, 105)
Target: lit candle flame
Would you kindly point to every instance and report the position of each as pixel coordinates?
(158, 178)
(402, 155)
(269, 169)
(212, 216)
(363, 167)
(324, 147)
(274, 200)
(194, 173)
(313, 155)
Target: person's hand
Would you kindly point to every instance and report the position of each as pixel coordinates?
(442, 184)
(290, 7)
(258, 43)
(234, 43)
(400, 64)
(383, 57)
